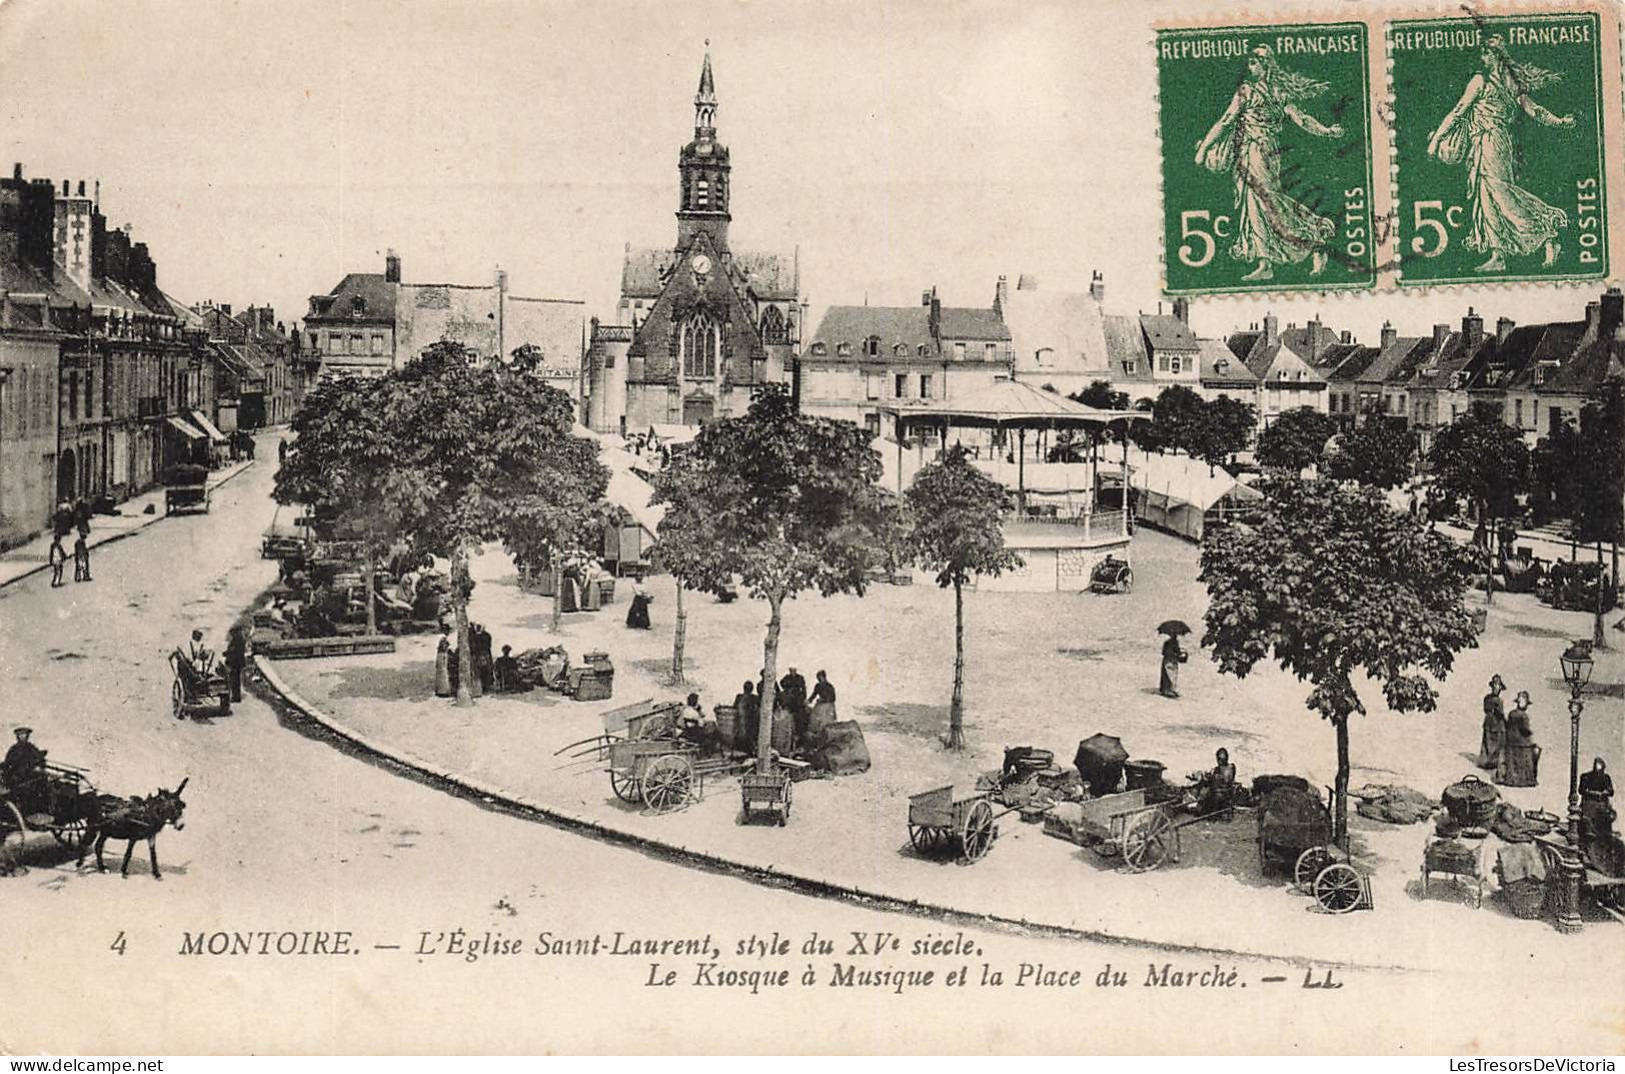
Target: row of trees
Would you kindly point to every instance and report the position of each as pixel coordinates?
(446, 453)
(1182, 421)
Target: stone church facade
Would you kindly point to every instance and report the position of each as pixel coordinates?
(701, 325)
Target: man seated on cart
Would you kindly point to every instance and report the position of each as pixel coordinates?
(23, 771)
(696, 725)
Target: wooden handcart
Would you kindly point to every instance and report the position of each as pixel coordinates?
(1295, 826)
(937, 820)
(192, 690)
(647, 760)
(1111, 575)
(1142, 836)
(765, 793)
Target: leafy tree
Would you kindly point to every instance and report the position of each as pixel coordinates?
(1480, 459)
(1147, 435)
(788, 502)
(1554, 479)
(1180, 416)
(1295, 439)
(1599, 496)
(1101, 396)
(484, 453)
(1376, 453)
(339, 467)
(1328, 582)
(958, 516)
(1228, 428)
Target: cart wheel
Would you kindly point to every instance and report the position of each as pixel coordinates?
(1145, 844)
(1338, 888)
(1309, 866)
(176, 701)
(13, 837)
(625, 785)
(976, 834)
(73, 834)
(667, 783)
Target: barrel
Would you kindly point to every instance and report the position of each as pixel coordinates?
(1143, 774)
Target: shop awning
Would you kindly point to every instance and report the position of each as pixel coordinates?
(188, 431)
(207, 426)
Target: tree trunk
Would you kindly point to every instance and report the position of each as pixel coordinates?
(1599, 640)
(678, 636)
(369, 581)
(1489, 553)
(1340, 796)
(770, 671)
(956, 707)
(558, 592)
(459, 605)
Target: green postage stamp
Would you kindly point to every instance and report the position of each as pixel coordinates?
(1266, 158)
(1498, 148)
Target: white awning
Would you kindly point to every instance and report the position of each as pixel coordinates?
(207, 426)
(188, 431)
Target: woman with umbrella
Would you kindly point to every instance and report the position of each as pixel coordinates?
(1172, 656)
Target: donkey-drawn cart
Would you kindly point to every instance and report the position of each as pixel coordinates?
(60, 800)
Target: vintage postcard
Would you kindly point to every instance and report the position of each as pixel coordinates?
(811, 527)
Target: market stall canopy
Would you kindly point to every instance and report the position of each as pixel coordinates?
(207, 426)
(187, 430)
(626, 489)
(1008, 403)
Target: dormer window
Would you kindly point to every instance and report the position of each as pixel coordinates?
(901, 350)
(925, 352)
(871, 346)
(843, 350)
(1222, 366)
(819, 348)
(358, 306)
(1044, 356)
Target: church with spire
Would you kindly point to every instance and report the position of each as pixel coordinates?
(699, 324)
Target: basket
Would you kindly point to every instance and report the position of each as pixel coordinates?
(1526, 897)
(1471, 802)
(1143, 774)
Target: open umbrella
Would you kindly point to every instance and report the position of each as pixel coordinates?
(1174, 627)
(1104, 749)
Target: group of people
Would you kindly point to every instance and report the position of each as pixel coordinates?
(67, 519)
(491, 674)
(580, 578)
(197, 661)
(1508, 744)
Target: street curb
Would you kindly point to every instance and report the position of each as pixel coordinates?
(143, 528)
(764, 875)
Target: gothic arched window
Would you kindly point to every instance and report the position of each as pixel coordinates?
(773, 328)
(700, 345)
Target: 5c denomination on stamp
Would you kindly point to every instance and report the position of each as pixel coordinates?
(1498, 142)
(1266, 158)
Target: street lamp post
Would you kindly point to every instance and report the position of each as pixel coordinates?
(1576, 662)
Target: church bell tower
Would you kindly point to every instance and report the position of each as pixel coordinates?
(702, 170)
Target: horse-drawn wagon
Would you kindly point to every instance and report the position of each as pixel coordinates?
(186, 488)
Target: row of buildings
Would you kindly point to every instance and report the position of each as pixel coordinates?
(699, 325)
(106, 381)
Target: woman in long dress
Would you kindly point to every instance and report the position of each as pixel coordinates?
(637, 616)
(443, 656)
(1172, 656)
(1520, 759)
(1507, 219)
(1495, 726)
(1272, 227)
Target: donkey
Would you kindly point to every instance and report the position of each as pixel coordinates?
(131, 819)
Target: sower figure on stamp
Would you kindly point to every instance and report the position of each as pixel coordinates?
(1507, 219)
(1272, 227)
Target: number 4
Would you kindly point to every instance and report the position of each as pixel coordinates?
(118, 943)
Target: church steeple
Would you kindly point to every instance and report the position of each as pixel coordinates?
(705, 101)
(703, 170)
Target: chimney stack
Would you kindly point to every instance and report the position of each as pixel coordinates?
(1001, 295)
(925, 298)
(392, 267)
(1441, 333)
(1272, 330)
(1097, 287)
(1503, 328)
(1316, 332)
(1182, 310)
(936, 313)
(1472, 329)
(1390, 335)
(1612, 313)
